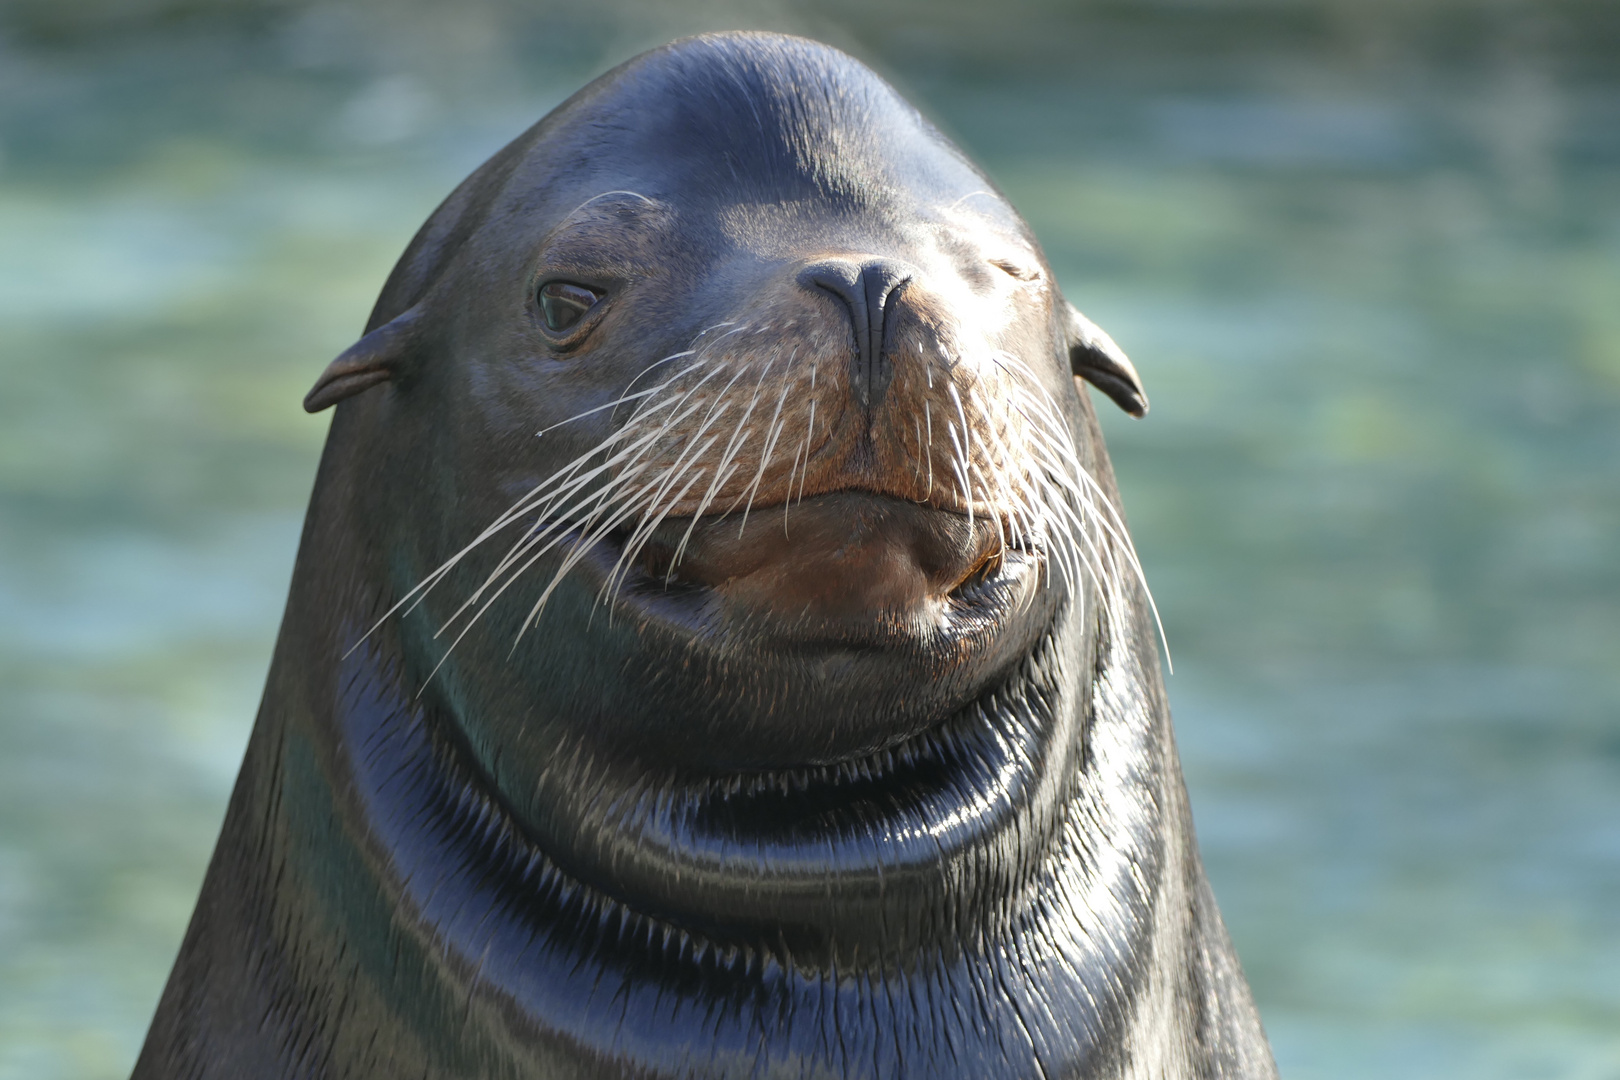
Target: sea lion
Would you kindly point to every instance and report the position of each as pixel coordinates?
(790, 707)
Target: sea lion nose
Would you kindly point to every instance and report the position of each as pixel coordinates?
(866, 288)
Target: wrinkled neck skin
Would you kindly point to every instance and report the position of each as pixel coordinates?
(379, 907)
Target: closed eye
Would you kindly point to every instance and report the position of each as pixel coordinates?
(1017, 270)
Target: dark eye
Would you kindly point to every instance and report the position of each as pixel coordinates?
(563, 303)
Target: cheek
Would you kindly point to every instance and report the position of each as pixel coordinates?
(1025, 331)
(989, 306)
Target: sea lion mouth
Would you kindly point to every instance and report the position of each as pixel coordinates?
(850, 567)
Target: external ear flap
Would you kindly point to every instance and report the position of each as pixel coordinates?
(1094, 357)
(373, 359)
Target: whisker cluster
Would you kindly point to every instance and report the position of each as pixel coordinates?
(1078, 526)
(712, 429)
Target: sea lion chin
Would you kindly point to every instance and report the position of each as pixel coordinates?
(789, 706)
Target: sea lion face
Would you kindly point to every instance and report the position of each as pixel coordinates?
(772, 600)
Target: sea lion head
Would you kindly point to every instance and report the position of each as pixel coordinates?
(764, 636)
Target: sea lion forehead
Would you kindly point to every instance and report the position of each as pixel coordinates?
(761, 118)
(765, 142)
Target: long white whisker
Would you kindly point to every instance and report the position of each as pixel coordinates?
(539, 542)
(1109, 515)
(1047, 409)
(965, 449)
(959, 467)
(1056, 447)
(773, 433)
(722, 473)
(657, 504)
(680, 548)
(809, 437)
(512, 514)
(557, 520)
(576, 483)
(638, 395)
(510, 580)
(630, 507)
(928, 418)
(670, 476)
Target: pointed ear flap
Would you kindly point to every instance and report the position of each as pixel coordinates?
(1094, 357)
(373, 359)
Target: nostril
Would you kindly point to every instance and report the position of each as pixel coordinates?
(865, 287)
(837, 276)
(883, 278)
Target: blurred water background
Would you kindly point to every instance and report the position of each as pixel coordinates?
(1365, 253)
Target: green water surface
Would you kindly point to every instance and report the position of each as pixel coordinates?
(1366, 256)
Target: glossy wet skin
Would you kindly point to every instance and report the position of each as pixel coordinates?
(814, 741)
(870, 599)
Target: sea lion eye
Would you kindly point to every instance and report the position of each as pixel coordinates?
(1016, 269)
(564, 303)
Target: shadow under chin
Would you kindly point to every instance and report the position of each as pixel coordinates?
(744, 855)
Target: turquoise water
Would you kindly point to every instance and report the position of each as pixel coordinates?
(1366, 257)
